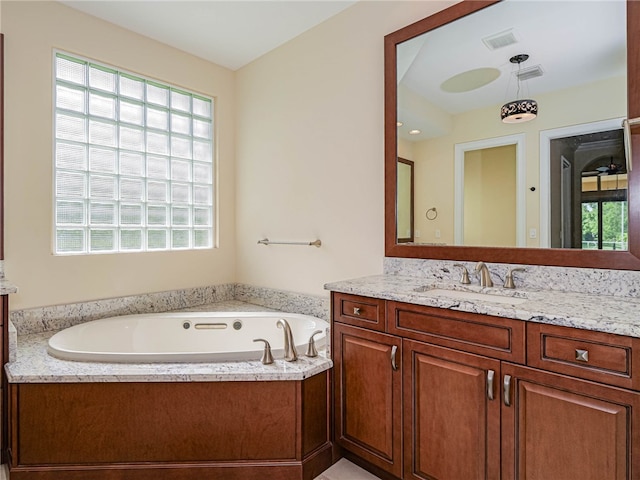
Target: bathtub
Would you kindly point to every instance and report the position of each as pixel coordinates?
(184, 337)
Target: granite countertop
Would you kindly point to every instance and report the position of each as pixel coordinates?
(32, 364)
(6, 287)
(619, 315)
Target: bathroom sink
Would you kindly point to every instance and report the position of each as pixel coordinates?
(472, 296)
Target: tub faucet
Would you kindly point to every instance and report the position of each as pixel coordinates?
(485, 276)
(290, 354)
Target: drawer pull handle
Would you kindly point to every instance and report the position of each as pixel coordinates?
(490, 376)
(506, 387)
(356, 310)
(582, 355)
(394, 350)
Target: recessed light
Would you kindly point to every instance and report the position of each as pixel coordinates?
(414, 132)
(399, 124)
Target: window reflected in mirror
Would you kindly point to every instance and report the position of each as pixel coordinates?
(590, 208)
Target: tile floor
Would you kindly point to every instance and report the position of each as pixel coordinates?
(345, 470)
(342, 470)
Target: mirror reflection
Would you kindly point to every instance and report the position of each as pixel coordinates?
(512, 119)
(405, 207)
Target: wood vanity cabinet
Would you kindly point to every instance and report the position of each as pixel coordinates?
(451, 389)
(451, 424)
(566, 428)
(485, 398)
(368, 395)
(575, 422)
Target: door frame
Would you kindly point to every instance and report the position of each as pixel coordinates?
(545, 165)
(458, 205)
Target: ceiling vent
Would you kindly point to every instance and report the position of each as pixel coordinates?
(529, 73)
(500, 40)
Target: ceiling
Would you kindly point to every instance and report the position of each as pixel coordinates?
(231, 33)
(573, 42)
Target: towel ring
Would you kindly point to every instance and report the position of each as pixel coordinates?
(434, 215)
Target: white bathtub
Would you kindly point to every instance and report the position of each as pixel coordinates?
(184, 337)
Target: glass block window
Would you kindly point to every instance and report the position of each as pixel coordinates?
(133, 162)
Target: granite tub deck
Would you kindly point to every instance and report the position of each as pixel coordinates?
(30, 363)
(610, 314)
(6, 287)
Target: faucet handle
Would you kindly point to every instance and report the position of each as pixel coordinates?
(508, 280)
(267, 358)
(465, 274)
(311, 347)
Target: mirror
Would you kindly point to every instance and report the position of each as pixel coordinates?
(555, 190)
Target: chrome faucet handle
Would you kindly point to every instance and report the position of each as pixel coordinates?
(465, 274)
(508, 280)
(267, 358)
(311, 347)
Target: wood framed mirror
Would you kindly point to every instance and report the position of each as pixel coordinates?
(415, 38)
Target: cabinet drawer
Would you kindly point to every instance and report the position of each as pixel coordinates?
(496, 337)
(359, 311)
(598, 356)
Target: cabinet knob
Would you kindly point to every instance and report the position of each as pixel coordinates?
(582, 355)
(356, 310)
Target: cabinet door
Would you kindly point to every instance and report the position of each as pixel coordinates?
(557, 427)
(368, 398)
(452, 414)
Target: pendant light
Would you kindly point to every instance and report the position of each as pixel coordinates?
(519, 111)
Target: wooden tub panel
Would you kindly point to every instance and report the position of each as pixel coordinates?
(93, 423)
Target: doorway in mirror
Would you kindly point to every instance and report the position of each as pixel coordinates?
(587, 193)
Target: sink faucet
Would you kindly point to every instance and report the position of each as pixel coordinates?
(290, 354)
(485, 276)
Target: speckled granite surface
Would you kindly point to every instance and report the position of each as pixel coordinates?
(591, 281)
(5, 286)
(56, 317)
(44, 319)
(603, 313)
(284, 301)
(32, 364)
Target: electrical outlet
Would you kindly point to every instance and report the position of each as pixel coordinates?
(437, 233)
(533, 233)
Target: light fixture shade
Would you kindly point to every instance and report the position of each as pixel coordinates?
(519, 111)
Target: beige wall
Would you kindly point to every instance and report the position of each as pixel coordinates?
(490, 197)
(32, 30)
(311, 153)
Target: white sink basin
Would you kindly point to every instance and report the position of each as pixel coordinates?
(477, 296)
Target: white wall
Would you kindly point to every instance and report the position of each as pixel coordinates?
(310, 156)
(32, 30)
